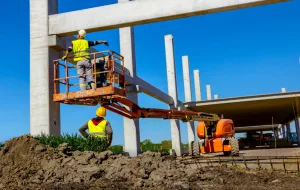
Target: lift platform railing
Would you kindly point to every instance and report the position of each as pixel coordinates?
(113, 69)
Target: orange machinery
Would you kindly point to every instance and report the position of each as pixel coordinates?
(216, 136)
(217, 133)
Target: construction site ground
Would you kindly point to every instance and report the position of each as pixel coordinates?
(27, 164)
(264, 151)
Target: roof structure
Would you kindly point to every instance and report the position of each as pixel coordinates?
(255, 110)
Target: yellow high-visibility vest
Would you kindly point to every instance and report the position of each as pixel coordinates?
(81, 49)
(97, 130)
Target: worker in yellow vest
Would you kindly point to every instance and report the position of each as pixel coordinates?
(81, 53)
(98, 127)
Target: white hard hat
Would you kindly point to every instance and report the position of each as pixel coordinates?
(82, 33)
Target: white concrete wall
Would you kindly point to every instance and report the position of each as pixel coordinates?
(172, 89)
(44, 113)
(188, 94)
(131, 127)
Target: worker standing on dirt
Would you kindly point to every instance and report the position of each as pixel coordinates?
(98, 127)
(81, 51)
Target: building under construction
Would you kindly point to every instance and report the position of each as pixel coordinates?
(50, 32)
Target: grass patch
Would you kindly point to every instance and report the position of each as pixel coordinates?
(75, 141)
(185, 145)
(154, 148)
(116, 149)
(163, 147)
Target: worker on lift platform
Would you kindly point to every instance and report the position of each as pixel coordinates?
(81, 51)
(98, 127)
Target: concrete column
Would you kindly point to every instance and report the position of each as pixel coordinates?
(188, 94)
(197, 85)
(297, 130)
(288, 130)
(172, 89)
(208, 92)
(44, 113)
(283, 90)
(131, 127)
(261, 137)
(277, 133)
(283, 131)
(216, 96)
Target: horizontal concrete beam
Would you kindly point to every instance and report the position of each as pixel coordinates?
(139, 85)
(57, 43)
(62, 43)
(256, 128)
(141, 12)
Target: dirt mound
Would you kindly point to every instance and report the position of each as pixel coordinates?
(27, 164)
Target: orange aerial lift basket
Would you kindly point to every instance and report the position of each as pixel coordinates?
(108, 66)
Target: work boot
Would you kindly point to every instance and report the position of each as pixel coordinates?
(88, 87)
(91, 85)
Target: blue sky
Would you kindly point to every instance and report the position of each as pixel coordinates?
(242, 52)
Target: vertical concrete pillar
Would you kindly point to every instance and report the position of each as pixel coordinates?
(297, 130)
(283, 131)
(208, 92)
(188, 94)
(44, 113)
(197, 85)
(216, 96)
(277, 133)
(288, 131)
(261, 137)
(131, 127)
(283, 90)
(172, 89)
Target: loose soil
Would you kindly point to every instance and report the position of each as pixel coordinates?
(27, 164)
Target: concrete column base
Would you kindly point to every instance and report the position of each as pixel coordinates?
(176, 137)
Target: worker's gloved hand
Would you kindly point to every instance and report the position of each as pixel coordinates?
(106, 43)
(64, 58)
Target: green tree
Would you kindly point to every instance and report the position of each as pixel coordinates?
(166, 144)
(146, 142)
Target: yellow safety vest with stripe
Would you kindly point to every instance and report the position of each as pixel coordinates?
(81, 49)
(97, 130)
